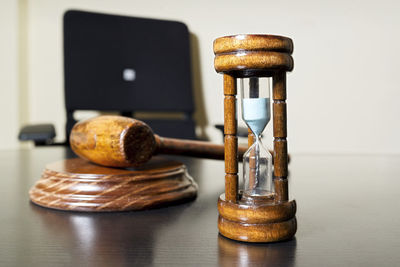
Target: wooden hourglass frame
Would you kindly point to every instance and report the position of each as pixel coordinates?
(257, 220)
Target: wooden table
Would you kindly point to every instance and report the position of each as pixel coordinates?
(348, 215)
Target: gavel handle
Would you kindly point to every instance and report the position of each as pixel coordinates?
(200, 149)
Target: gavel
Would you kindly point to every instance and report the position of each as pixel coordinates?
(117, 141)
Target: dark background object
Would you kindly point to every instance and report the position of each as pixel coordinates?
(41, 134)
(127, 65)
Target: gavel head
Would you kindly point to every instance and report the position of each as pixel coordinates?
(113, 141)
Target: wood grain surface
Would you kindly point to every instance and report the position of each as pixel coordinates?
(280, 143)
(113, 141)
(250, 55)
(251, 213)
(230, 139)
(257, 42)
(78, 185)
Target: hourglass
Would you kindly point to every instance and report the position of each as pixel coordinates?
(261, 211)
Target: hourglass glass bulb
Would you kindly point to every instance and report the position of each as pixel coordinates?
(257, 161)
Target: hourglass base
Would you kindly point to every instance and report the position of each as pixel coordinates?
(259, 222)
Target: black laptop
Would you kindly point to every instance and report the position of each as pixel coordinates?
(125, 63)
(115, 63)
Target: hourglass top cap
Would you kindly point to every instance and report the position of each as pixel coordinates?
(253, 42)
(248, 54)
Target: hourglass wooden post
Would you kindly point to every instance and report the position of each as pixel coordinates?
(255, 219)
(230, 139)
(280, 134)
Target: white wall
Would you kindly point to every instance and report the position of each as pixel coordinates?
(342, 94)
(9, 95)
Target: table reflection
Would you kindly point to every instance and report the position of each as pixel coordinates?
(234, 253)
(112, 238)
